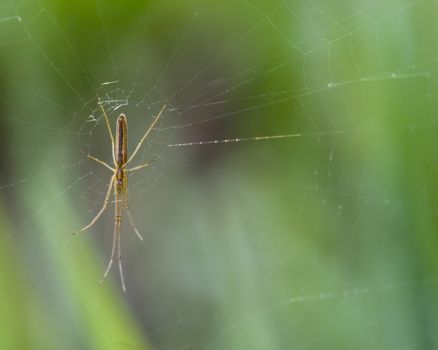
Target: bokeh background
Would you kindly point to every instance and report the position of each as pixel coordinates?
(323, 238)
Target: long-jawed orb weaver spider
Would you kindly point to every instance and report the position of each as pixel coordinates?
(119, 183)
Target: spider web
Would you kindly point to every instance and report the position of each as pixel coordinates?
(289, 200)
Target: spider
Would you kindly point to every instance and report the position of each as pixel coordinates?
(119, 183)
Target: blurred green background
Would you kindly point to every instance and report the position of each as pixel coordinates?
(324, 238)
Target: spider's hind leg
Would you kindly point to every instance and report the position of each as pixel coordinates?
(105, 205)
(131, 220)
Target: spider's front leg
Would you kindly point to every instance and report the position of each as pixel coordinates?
(118, 194)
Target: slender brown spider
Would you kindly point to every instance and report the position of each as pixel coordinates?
(119, 183)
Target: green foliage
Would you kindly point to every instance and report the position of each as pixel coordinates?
(322, 239)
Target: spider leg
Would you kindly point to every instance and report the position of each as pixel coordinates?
(138, 167)
(131, 220)
(116, 239)
(105, 204)
(146, 134)
(109, 128)
(140, 237)
(100, 162)
(119, 257)
(110, 263)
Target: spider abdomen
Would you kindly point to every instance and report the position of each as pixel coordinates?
(122, 140)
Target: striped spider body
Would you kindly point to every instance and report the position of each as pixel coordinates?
(119, 183)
